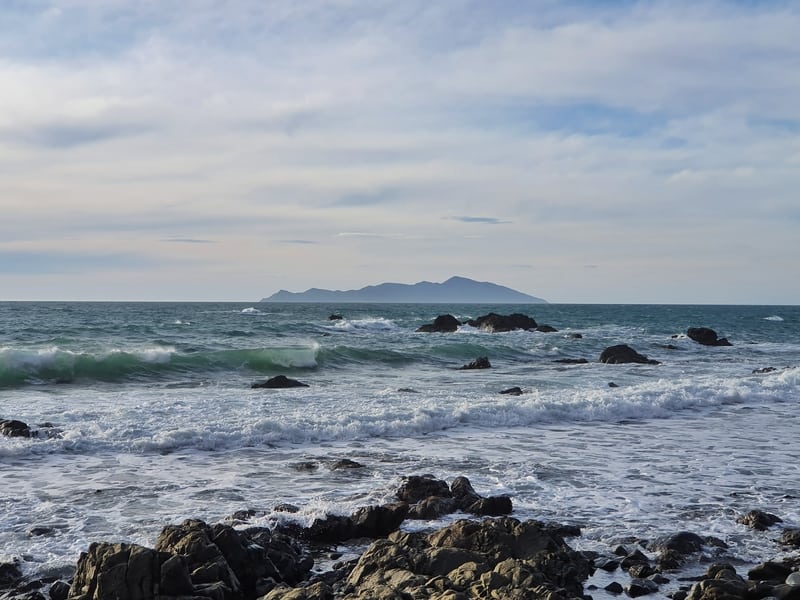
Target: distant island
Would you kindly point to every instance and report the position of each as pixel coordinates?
(456, 290)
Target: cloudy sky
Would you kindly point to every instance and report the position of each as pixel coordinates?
(578, 151)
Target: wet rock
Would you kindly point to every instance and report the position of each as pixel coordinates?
(418, 487)
(501, 323)
(622, 353)
(345, 463)
(720, 583)
(611, 384)
(770, 571)
(640, 587)
(575, 336)
(513, 391)
(59, 590)
(10, 573)
(285, 507)
(482, 362)
(706, 337)
(764, 370)
(14, 428)
(791, 537)
(614, 588)
(759, 520)
(434, 507)
(441, 324)
(683, 542)
(571, 361)
(335, 317)
(279, 382)
(546, 329)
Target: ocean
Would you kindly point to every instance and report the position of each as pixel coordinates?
(146, 417)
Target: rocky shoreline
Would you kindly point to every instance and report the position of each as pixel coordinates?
(490, 555)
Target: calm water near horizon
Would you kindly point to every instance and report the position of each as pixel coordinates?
(147, 418)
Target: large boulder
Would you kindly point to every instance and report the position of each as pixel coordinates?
(622, 353)
(495, 558)
(441, 324)
(14, 428)
(706, 337)
(482, 362)
(129, 572)
(499, 323)
(759, 520)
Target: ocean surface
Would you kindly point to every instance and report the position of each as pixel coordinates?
(147, 417)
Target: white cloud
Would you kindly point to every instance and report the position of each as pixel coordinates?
(272, 127)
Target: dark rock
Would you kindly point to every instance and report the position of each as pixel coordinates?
(14, 428)
(493, 506)
(611, 384)
(706, 337)
(418, 487)
(279, 382)
(514, 391)
(575, 336)
(335, 317)
(614, 588)
(285, 507)
(127, 572)
(441, 324)
(637, 557)
(641, 571)
(10, 573)
(791, 537)
(609, 564)
(408, 390)
(641, 587)
(305, 465)
(770, 571)
(500, 323)
(720, 583)
(379, 521)
(683, 542)
(59, 590)
(623, 353)
(764, 370)
(345, 463)
(759, 520)
(434, 507)
(41, 531)
(571, 361)
(482, 362)
(546, 329)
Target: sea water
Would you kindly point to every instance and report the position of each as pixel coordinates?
(146, 417)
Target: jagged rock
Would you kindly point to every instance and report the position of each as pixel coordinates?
(500, 323)
(14, 428)
(791, 537)
(706, 337)
(759, 520)
(279, 382)
(721, 583)
(418, 487)
(497, 558)
(623, 353)
(441, 324)
(432, 508)
(129, 572)
(614, 588)
(482, 362)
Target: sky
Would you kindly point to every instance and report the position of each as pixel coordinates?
(588, 152)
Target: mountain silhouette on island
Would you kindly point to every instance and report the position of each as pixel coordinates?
(456, 290)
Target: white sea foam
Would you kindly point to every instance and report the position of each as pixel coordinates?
(773, 318)
(251, 310)
(366, 324)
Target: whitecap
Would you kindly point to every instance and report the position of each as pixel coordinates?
(773, 318)
(250, 310)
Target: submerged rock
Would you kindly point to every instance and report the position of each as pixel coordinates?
(706, 337)
(482, 362)
(512, 391)
(622, 353)
(279, 382)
